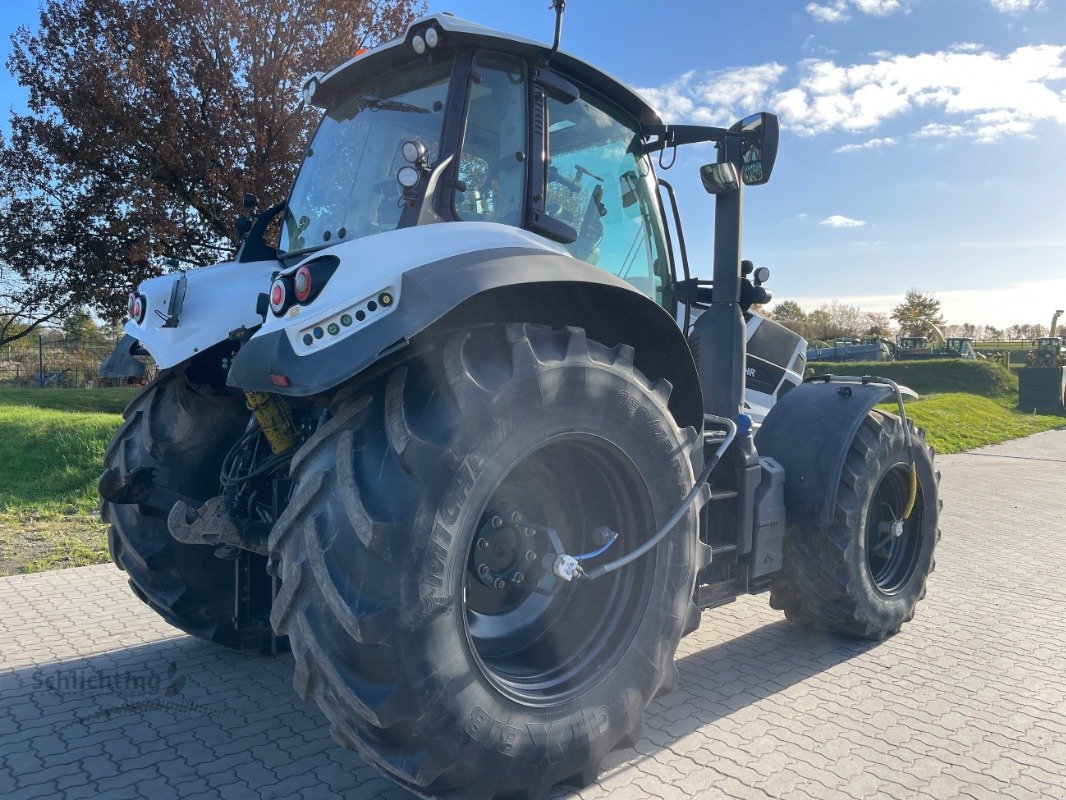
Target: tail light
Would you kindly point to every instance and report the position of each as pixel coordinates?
(137, 305)
(302, 283)
(279, 296)
(302, 286)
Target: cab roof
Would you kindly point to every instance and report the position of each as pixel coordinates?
(461, 32)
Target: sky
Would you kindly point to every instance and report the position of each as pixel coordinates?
(923, 141)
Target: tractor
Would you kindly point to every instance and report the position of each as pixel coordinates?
(472, 442)
(1048, 351)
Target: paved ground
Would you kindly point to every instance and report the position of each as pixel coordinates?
(98, 698)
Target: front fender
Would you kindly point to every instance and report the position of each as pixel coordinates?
(809, 433)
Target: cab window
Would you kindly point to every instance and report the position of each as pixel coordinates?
(492, 159)
(601, 185)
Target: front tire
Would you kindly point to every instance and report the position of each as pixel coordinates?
(853, 576)
(452, 686)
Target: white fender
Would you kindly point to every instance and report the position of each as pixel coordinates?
(218, 300)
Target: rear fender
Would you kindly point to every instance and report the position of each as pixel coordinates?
(451, 276)
(218, 300)
(809, 432)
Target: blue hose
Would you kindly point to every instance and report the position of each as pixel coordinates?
(611, 539)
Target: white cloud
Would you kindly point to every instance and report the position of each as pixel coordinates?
(966, 47)
(989, 94)
(1015, 6)
(711, 98)
(840, 221)
(869, 144)
(834, 13)
(877, 7)
(837, 10)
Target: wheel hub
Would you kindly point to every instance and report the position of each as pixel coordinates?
(508, 551)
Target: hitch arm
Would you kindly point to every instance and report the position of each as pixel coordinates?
(139, 486)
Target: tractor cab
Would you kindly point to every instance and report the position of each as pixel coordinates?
(960, 347)
(459, 123)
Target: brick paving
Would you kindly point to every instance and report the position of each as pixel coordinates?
(100, 698)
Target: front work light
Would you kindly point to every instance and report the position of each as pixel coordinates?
(413, 151)
(408, 177)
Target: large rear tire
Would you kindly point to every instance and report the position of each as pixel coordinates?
(183, 431)
(854, 576)
(408, 593)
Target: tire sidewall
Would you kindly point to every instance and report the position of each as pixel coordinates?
(895, 609)
(494, 727)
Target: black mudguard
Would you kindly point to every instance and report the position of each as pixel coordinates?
(556, 288)
(121, 363)
(809, 432)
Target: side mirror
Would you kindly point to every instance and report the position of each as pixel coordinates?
(719, 178)
(759, 135)
(242, 226)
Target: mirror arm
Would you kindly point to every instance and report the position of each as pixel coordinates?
(254, 247)
(676, 135)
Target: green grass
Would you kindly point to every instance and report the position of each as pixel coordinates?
(49, 462)
(956, 421)
(103, 400)
(982, 378)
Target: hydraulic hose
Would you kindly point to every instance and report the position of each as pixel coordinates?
(704, 476)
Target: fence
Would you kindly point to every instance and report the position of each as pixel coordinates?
(47, 362)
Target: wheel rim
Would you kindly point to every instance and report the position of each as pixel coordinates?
(537, 646)
(892, 549)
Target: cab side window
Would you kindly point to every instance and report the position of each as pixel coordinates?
(601, 184)
(492, 160)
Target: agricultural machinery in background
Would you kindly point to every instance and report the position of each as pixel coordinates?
(845, 350)
(474, 439)
(918, 348)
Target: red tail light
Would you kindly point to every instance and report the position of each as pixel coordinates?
(138, 307)
(279, 296)
(301, 283)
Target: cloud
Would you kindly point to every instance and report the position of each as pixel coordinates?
(966, 47)
(989, 94)
(1015, 6)
(837, 10)
(834, 13)
(869, 144)
(711, 98)
(840, 221)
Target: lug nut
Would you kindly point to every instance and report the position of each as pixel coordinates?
(500, 583)
(518, 577)
(516, 517)
(531, 531)
(482, 543)
(530, 555)
(497, 521)
(483, 570)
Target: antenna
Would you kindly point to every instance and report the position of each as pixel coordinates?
(559, 6)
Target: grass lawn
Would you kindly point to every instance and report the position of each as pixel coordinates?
(51, 446)
(955, 422)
